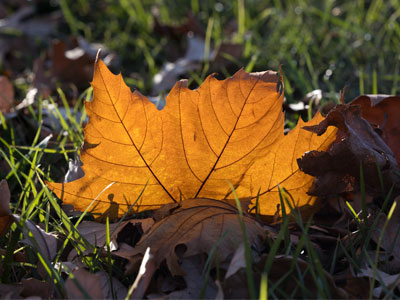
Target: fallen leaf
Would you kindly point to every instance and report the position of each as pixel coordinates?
(390, 237)
(95, 233)
(238, 261)
(90, 283)
(41, 240)
(197, 224)
(116, 290)
(10, 291)
(235, 287)
(225, 130)
(176, 35)
(34, 287)
(143, 278)
(284, 267)
(64, 66)
(67, 61)
(96, 285)
(193, 267)
(383, 112)
(124, 250)
(6, 218)
(338, 169)
(381, 278)
(357, 287)
(6, 95)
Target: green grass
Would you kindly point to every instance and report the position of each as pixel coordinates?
(321, 44)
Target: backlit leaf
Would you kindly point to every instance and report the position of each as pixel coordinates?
(228, 130)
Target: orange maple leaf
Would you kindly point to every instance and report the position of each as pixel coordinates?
(228, 130)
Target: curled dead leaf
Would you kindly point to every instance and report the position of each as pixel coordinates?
(338, 169)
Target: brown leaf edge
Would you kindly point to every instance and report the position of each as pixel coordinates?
(357, 144)
(382, 112)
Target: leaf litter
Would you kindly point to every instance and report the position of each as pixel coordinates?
(190, 234)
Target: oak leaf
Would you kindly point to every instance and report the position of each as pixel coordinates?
(197, 224)
(228, 130)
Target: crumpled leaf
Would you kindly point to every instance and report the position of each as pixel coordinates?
(197, 224)
(338, 169)
(225, 130)
(383, 112)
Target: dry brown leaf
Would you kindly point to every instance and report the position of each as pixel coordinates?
(356, 287)
(143, 277)
(381, 279)
(10, 291)
(383, 112)
(6, 94)
(284, 264)
(83, 279)
(338, 169)
(229, 130)
(390, 237)
(238, 261)
(193, 266)
(34, 287)
(96, 285)
(197, 224)
(95, 233)
(5, 212)
(44, 241)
